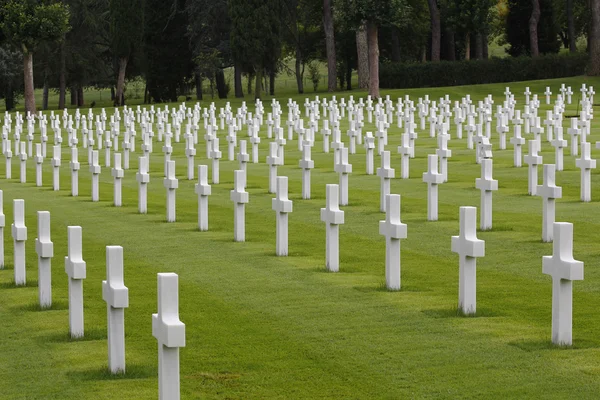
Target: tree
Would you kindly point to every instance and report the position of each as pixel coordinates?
(436, 30)
(376, 13)
(533, 28)
(26, 24)
(595, 38)
(168, 59)
(208, 32)
(255, 37)
(516, 31)
(362, 49)
(126, 23)
(470, 17)
(329, 45)
(11, 64)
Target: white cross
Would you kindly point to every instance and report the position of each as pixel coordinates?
(282, 206)
(369, 149)
(563, 269)
(306, 164)
(433, 179)
(76, 271)
(468, 248)
(143, 178)
(343, 168)
(239, 197)
(95, 169)
(486, 185)
(574, 131)
(533, 160)
(203, 190)
(116, 296)
(118, 174)
(272, 161)
(333, 217)
(548, 93)
(169, 331)
(45, 251)
(549, 192)
(385, 173)
(586, 164)
(393, 229)
(171, 183)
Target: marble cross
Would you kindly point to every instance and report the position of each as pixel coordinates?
(563, 269)
(282, 206)
(203, 190)
(333, 218)
(468, 248)
(306, 163)
(549, 192)
(45, 251)
(118, 174)
(486, 185)
(533, 160)
(143, 178)
(343, 168)
(169, 331)
(393, 230)
(116, 296)
(56, 167)
(19, 234)
(433, 179)
(171, 183)
(75, 268)
(385, 173)
(39, 160)
(239, 197)
(586, 164)
(95, 169)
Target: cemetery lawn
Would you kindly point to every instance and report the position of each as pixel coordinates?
(260, 326)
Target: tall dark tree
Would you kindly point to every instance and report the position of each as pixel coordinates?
(255, 37)
(329, 45)
(126, 28)
(517, 28)
(168, 61)
(436, 30)
(11, 72)
(362, 50)
(26, 24)
(208, 31)
(595, 38)
(533, 28)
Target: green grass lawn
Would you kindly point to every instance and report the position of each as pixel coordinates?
(261, 326)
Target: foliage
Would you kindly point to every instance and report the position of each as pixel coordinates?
(314, 74)
(517, 28)
(27, 23)
(472, 16)
(11, 74)
(126, 26)
(482, 71)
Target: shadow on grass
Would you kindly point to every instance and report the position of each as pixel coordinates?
(381, 287)
(133, 371)
(11, 284)
(222, 378)
(499, 228)
(455, 312)
(65, 337)
(541, 344)
(35, 307)
(8, 267)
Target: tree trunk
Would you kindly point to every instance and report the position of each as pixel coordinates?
(362, 50)
(436, 30)
(571, 27)
(423, 54)
(533, 28)
(396, 54)
(594, 38)
(198, 81)
(272, 83)
(62, 80)
(373, 59)
(450, 45)
(299, 74)
(80, 100)
(28, 77)
(237, 72)
(478, 46)
(112, 93)
(46, 91)
(221, 86)
(258, 86)
(467, 46)
(348, 76)
(329, 46)
(119, 97)
(73, 93)
(486, 53)
(9, 98)
(250, 78)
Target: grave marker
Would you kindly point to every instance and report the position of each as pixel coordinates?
(45, 251)
(76, 270)
(393, 230)
(203, 190)
(333, 218)
(282, 206)
(19, 234)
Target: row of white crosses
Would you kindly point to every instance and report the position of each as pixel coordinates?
(166, 327)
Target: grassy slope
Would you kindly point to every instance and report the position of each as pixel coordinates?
(259, 326)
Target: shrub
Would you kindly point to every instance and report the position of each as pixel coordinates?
(473, 72)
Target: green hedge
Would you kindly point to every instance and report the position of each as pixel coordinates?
(493, 70)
